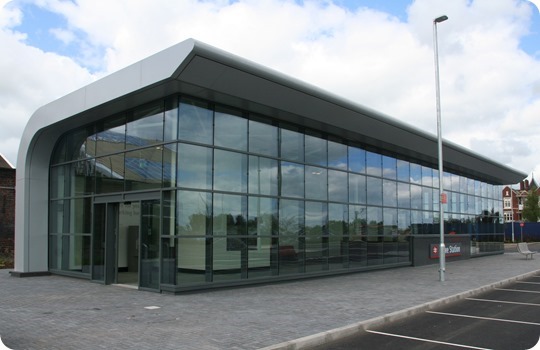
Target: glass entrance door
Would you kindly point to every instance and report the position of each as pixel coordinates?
(150, 232)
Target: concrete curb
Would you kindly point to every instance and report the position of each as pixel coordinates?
(345, 331)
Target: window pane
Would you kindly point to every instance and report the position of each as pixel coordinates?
(389, 167)
(195, 121)
(374, 191)
(427, 198)
(110, 174)
(77, 144)
(263, 138)
(292, 145)
(337, 155)
(191, 261)
(82, 178)
(230, 129)
(194, 166)
(389, 193)
(316, 254)
(230, 171)
(404, 195)
(292, 180)
(146, 128)
(193, 210)
(170, 155)
(403, 171)
(263, 176)
(416, 174)
(374, 164)
(171, 119)
(416, 197)
(291, 237)
(59, 182)
(316, 183)
(113, 136)
(338, 217)
(357, 189)
(143, 169)
(337, 186)
(76, 253)
(375, 235)
(357, 160)
(315, 151)
(262, 217)
(427, 176)
(357, 236)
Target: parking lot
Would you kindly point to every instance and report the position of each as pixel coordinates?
(503, 318)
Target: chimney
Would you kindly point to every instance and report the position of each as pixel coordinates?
(521, 185)
(527, 185)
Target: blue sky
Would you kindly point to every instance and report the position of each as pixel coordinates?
(374, 52)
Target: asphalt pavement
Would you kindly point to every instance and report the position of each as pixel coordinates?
(55, 312)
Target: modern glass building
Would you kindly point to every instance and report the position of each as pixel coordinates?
(196, 169)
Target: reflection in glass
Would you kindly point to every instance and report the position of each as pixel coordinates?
(230, 171)
(315, 150)
(262, 225)
(291, 237)
(292, 145)
(194, 166)
(193, 213)
(113, 136)
(171, 119)
(263, 176)
(416, 197)
(404, 195)
(357, 160)
(316, 251)
(230, 129)
(316, 183)
(389, 167)
(110, 174)
(338, 217)
(146, 127)
(375, 235)
(416, 174)
(144, 168)
(263, 138)
(373, 164)
(403, 171)
(292, 179)
(374, 191)
(357, 189)
(337, 155)
(337, 186)
(390, 229)
(195, 121)
(357, 236)
(389, 193)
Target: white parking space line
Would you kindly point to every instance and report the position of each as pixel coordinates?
(518, 290)
(503, 302)
(427, 340)
(483, 318)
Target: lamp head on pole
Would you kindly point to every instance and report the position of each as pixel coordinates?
(440, 19)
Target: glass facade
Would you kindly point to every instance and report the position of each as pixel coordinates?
(244, 197)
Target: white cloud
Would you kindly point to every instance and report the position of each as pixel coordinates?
(489, 86)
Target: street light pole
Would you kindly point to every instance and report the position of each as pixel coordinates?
(442, 248)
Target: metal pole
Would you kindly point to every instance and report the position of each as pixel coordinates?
(442, 248)
(512, 207)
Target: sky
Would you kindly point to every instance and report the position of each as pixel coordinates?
(377, 53)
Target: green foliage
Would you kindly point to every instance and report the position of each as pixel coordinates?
(531, 209)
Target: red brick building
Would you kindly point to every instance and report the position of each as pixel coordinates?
(514, 199)
(7, 207)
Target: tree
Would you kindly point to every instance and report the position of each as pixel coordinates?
(531, 209)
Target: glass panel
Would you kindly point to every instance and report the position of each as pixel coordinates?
(337, 155)
(316, 251)
(374, 164)
(77, 144)
(357, 160)
(230, 129)
(338, 218)
(374, 191)
(291, 237)
(98, 246)
(416, 197)
(315, 150)
(76, 253)
(404, 195)
(403, 171)
(59, 183)
(292, 180)
(82, 174)
(358, 236)
(316, 183)
(427, 176)
(357, 189)
(263, 138)
(404, 231)
(435, 178)
(263, 176)
(416, 174)
(193, 213)
(262, 225)
(191, 261)
(171, 119)
(170, 155)
(230, 171)
(55, 252)
(143, 168)
(194, 166)
(113, 136)
(427, 198)
(389, 167)
(390, 228)
(110, 174)
(416, 222)
(292, 145)
(337, 186)
(389, 193)
(229, 236)
(146, 128)
(150, 233)
(375, 235)
(195, 121)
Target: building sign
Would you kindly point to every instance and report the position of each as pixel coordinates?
(452, 249)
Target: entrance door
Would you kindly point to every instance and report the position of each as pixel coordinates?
(126, 243)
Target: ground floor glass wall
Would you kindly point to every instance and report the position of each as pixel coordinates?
(245, 197)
